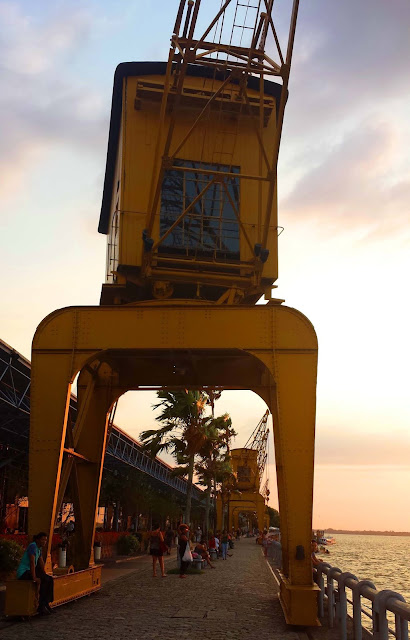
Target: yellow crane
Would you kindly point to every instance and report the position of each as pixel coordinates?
(189, 210)
(248, 465)
(189, 201)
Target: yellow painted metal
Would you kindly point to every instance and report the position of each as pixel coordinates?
(75, 585)
(250, 503)
(270, 349)
(220, 124)
(245, 497)
(21, 598)
(299, 603)
(245, 468)
(223, 137)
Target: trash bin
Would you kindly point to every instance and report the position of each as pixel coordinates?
(97, 550)
(62, 555)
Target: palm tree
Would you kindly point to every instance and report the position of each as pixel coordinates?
(214, 457)
(183, 433)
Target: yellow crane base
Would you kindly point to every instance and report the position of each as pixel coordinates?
(270, 349)
(298, 603)
(21, 595)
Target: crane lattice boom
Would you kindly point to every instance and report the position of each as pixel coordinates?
(233, 49)
(259, 440)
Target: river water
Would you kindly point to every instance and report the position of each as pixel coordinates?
(383, 559)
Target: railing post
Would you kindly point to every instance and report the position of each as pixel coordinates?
(321, 583)
(341, 580)
(402, 628)
(331, 595)
(357, 607)
(380, 625)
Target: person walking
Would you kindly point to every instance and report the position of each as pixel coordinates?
(224, 544)
(31, 567)
(183, 544)
(156, 549)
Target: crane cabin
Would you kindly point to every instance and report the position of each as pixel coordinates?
(187, 186)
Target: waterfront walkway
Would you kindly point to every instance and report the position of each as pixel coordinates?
(235, 600)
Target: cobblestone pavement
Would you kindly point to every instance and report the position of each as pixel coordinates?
(236, 600)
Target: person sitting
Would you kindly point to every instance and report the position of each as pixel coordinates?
(313, 550)
(201, 550)
(315, 559)
(31, 567)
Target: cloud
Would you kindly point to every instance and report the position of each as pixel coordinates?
(349, 55)
(41, 107)
(344, 155)
(353, 448)
(353, 184)
(32, 47)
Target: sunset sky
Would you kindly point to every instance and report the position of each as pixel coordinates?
(344, 194)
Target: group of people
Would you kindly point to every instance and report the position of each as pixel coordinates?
(202, 548)
(32, 565)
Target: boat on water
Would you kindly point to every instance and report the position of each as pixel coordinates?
(326, 541)
(321, 539)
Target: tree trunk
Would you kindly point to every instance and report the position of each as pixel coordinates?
(216, 524)
(207, 508)
(189, 489)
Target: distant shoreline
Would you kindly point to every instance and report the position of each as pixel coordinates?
(369, 533)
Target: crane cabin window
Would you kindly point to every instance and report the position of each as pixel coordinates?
(244, 474)
(210, 228)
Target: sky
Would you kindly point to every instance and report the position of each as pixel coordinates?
(344, 193)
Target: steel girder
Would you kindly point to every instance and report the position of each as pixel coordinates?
(124, 448)
(15, 382)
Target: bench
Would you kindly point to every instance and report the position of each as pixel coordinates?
(198, 563)
(21, 598)
(213, 554)
(21, 595)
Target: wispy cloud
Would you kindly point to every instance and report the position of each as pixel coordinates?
(39, 106)
(365, 450)
(344, 158)
(351, 185)
(348, 55)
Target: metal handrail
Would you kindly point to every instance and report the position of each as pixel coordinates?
(382, 602)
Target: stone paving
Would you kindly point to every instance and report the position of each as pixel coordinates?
(236, 600)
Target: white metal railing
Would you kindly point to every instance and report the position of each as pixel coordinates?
(382, 602)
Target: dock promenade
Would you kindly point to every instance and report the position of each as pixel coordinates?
(236, 600)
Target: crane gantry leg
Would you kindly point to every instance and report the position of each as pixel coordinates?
(270, 349)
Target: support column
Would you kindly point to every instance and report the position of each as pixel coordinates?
(50, 397)
(90, 443)
(293, 405)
